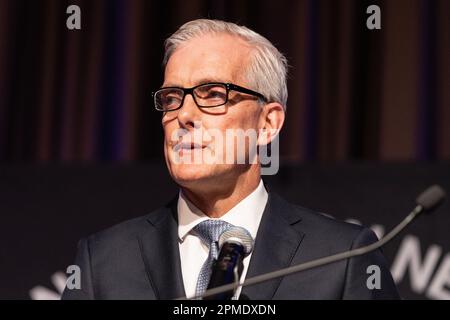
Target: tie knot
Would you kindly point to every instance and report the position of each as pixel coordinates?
(210, 230)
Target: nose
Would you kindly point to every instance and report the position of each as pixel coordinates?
(189, 113)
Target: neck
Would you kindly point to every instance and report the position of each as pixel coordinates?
(216, 200)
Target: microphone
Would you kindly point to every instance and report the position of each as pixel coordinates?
(426, 202)
(235, 244)
(431, 198)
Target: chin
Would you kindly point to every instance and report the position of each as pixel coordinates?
(186, 173)
(190, 175)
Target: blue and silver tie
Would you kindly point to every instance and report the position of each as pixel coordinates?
(209, 232)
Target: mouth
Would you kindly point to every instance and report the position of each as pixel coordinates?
(187, 147)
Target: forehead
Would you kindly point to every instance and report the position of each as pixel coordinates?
(217, 57)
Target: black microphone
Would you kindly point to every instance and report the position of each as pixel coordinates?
(235, 244)
(426, 202)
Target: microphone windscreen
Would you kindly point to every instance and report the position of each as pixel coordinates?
(431, 198)
(237, 235)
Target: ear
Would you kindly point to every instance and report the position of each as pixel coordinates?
(271, 122)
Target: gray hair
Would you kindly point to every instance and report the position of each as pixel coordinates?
(267, 69)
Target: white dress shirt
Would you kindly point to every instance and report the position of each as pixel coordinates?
(193, 252)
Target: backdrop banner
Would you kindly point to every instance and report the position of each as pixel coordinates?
(45, 210)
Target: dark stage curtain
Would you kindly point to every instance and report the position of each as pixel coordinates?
(355, 94)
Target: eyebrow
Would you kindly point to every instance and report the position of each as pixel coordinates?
(200, 81)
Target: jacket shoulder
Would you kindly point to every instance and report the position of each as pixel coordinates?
(129, 230)
(323, 228)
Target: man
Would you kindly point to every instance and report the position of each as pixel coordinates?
(220, 77)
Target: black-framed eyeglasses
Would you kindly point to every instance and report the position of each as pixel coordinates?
(206, 95)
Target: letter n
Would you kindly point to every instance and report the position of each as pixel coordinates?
(409, 257)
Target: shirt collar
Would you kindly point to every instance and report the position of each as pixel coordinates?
(246, 214)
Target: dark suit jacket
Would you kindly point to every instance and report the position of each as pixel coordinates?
(139, 258)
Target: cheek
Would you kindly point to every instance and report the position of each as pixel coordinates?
(168, 129)
(166, 134)
(238, 117)
(247, 116)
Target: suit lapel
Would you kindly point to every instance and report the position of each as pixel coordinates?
(276, 243)
(160, 252)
